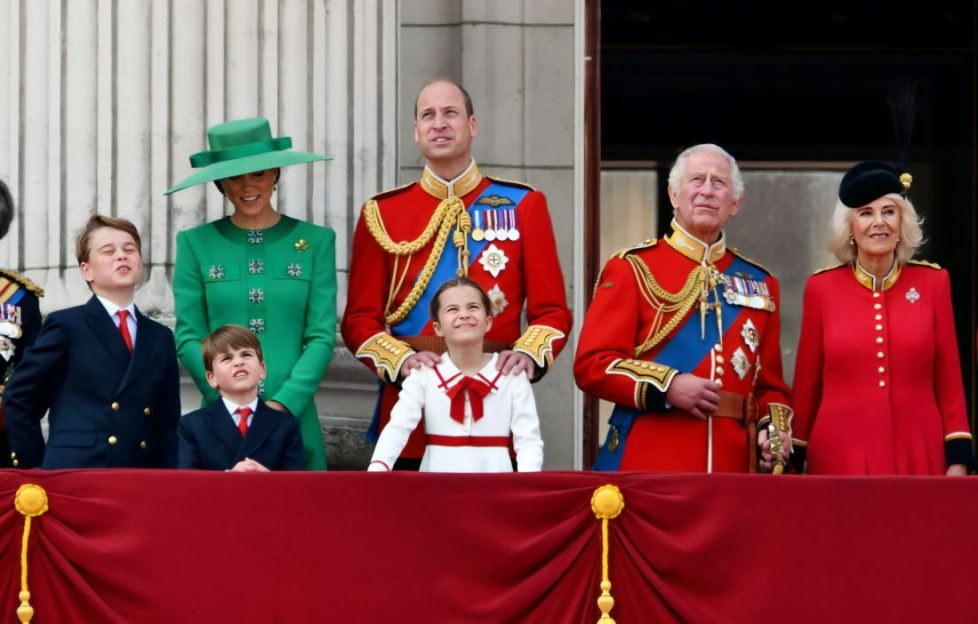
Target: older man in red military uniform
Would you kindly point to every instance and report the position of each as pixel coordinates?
(683, 336)
(453, 221)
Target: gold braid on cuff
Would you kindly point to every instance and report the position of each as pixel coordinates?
(387, 353)
(538, 343)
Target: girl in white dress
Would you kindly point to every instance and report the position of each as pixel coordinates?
(471, 411)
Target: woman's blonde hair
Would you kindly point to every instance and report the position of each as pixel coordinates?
(911, 234)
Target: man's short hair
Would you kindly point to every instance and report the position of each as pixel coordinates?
(227, 338)
(679, 168)
(83, 244)
(469, 109)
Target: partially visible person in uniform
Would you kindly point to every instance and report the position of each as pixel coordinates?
(683, 336)
(261, 269)
(20, 320)
(471, 409)
(878, 388)
(105, 373)
(454, 221)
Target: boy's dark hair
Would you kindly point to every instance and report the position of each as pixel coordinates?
(226, 338)
(83, 244)
(435, 304)
(6, 209)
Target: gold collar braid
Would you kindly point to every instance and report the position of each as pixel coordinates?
(450, 213)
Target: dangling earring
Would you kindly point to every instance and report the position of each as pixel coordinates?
(852, 240)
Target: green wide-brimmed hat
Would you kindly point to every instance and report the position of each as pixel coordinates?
(242, 146)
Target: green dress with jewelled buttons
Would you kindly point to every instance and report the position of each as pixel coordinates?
(281, 284)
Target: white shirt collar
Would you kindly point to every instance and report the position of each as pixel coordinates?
(232, 407)
(113, 309)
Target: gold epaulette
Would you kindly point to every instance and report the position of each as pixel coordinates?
(515, 183)
(647, 243)
(393, 191)
(829, 268)
(748, 260)
(23, 281)
(932, 265)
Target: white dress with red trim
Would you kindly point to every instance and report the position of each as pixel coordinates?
(469, 421)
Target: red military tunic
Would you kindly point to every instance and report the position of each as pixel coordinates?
(399, 238)
(878, 387)
(654, 315)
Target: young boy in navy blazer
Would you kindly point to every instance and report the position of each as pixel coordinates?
(106, 374)
(238, 433)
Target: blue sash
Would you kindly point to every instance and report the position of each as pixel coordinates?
(447, 265)
(684, 351)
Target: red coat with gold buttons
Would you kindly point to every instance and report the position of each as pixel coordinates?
(878, 386)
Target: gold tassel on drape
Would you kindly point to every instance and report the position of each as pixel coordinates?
(31, 501)
(607, 503)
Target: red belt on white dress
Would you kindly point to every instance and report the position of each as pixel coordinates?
(444, 440)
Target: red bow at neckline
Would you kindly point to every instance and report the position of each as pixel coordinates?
(476, 391)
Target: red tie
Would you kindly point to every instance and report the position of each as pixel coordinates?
(244, 413)
(476, 391)
(124, 329)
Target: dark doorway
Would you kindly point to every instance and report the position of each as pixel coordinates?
(825, 83)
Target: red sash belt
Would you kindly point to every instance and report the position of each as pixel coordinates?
(443, 440)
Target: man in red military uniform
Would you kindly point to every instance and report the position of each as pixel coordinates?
(453, 221)
(683, 336)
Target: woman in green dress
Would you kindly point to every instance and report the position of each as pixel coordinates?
(261, 269)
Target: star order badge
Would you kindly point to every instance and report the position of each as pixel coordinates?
(750, 335)
(740, 362)
(498, 300)
(493, 260)
(913, 295)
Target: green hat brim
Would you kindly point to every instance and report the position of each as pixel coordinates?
(247, 164)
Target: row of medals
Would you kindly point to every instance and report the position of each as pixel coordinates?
(496, 228)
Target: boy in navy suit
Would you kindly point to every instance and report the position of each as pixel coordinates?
(238, 433)
(106, 374)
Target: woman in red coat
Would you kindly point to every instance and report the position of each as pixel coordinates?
(878, 387)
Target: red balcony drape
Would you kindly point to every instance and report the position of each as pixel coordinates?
(174, 546)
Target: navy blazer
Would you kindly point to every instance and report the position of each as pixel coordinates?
(210, 440)
(108, 408)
